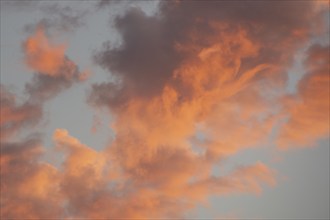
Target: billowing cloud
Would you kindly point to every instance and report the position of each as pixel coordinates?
(194, 84)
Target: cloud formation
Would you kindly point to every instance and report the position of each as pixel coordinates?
(197, 83)
(192, 85)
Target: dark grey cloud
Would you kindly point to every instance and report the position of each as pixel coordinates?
(147, 57)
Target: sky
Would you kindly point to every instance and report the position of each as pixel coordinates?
(164, 109)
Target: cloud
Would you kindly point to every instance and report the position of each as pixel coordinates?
(83, 173)
(29, 188)
(41, 55)
(35, 189)
(194, 84)
(308, 113)
(54, 70)
(15, 116)
(46, 58)
(43, 87)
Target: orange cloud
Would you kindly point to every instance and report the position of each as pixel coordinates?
(49, 59)
(80, 157)
(43, 56)
(308, 114)
(29, 188)
(152, 149)
(34, 189)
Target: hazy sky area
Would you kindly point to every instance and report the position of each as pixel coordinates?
(164, 110)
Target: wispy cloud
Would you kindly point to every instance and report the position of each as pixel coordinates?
(308, 113)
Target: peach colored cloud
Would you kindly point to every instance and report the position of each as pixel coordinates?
(49, 59)
(41, 55)
(80, 157)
